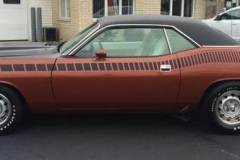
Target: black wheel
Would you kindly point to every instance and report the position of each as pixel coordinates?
(11, 109)
(223, 106)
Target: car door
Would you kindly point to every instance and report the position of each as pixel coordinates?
(236, 23)
(134, 70)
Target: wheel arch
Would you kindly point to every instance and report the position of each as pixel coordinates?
(211, 87)
(16, 90)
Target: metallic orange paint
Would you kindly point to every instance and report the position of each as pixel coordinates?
(70, 83)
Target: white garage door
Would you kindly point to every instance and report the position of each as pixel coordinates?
(13, 20)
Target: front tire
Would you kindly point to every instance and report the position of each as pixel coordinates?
(223, 106)
(11, 109)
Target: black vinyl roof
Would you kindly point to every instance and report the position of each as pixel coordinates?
(195, 29)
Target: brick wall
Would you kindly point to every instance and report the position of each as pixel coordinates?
(200, 9)
(81, 14)
(147, 7)
(67, 27)
(85, 14)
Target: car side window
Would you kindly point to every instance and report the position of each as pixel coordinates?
(178, 42)
(235, 14)
(128, 42)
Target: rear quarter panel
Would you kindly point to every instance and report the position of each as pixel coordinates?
(203, 67)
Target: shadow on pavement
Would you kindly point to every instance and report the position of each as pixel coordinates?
(112, 122)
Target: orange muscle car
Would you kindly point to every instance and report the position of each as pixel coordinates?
(157, 63)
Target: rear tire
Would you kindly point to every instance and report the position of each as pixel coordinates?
(223, 107)
(11, 109)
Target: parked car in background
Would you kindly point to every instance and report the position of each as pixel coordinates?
(227, 22)
(126, 63)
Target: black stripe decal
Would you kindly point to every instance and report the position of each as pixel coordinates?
(115, 67)
(238, 56)
(51, 67)
(201, 59)
(155, 66)
(175, 62)
(182, 62)
(18, 67)
(79, 66)
(126, 66)
(211, 56)
(101, 66)
(206, 58)
(221, 57)
(41, 67)
(230, 54)
(6, 67)
(86, 66)
(214, 57)
(141, 66)
(108, 66)
(120, 66)
(146, 66)
(235, 57)
(30, 67)
(136, 66)
(196, 59)
(94, 66)
(189, 61)
(70, 67)
(217, 57)
(61, 67)
(131, 66)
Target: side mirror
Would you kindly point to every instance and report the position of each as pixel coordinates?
(101, 55)
(218, 18)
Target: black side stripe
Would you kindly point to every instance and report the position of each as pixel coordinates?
(30, 67)
(6, 68)
(182, 62)
(41, 67)
(18, 67)
(70, 67)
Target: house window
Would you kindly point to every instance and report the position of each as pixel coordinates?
(112, 7)
(11, 1)
(65, 9)
(184, 8)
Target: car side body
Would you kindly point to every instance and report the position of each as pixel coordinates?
(178, 80)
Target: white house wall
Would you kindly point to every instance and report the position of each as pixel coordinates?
(46, 6)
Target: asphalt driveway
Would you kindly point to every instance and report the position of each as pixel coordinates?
(116, 137)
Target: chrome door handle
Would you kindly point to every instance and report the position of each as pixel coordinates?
(165, 68)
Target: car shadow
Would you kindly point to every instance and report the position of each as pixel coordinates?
(164, 124)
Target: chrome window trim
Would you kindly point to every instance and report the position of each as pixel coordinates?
(168, 42)
(86, 40)
(206, 46)
(77, 44)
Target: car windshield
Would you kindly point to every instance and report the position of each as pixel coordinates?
(73, 41)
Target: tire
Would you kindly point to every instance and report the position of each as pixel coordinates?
(223, 107)
(11, 110)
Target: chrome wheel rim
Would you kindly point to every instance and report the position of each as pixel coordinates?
(5, 109)
(227, 107)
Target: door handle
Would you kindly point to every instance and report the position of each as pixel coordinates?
(165, 68)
